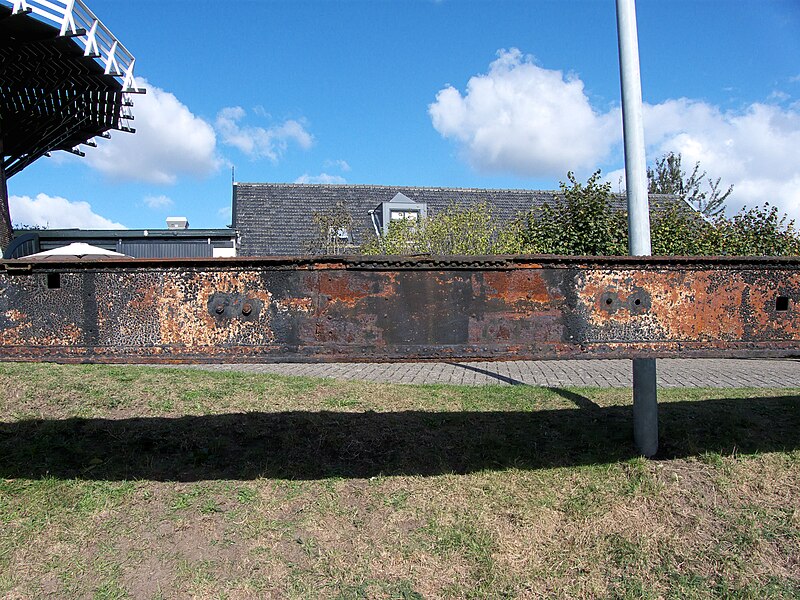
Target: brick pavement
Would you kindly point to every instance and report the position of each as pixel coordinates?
(673, 372)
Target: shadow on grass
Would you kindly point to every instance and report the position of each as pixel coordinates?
(314, 445)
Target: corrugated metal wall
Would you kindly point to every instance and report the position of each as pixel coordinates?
(166, 249)
(50, 243)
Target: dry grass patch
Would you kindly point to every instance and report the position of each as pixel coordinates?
(123, 482)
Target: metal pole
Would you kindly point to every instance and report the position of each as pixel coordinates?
(645, 407)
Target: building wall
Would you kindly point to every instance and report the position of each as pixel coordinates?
(187, 243)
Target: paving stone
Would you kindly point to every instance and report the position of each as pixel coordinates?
(672, 372)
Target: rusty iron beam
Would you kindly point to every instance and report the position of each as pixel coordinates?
(398, 308)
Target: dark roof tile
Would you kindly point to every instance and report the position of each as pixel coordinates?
(276, 218)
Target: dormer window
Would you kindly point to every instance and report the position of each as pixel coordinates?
(399, 208)
(404, 215)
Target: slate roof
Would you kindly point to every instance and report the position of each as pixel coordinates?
(276, 218)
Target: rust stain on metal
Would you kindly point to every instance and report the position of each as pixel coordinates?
(399, 308)
(343, 289)
(296, 304)
(520, 287)
(694, 306)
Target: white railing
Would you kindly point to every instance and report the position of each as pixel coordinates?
(73, 18)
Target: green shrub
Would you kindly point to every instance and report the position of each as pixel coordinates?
(583, 221)
(759, 231)
(457, 230)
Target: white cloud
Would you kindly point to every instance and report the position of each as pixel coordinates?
(169, 142)
(755, 149)
(157, 202)
(258, 142)
(57, 213)
(225, 212)
(321, 178)
(342, 165)
(261, 111)
(779, 96)
(525, 119)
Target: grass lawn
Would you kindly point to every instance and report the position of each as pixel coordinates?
(134, 482)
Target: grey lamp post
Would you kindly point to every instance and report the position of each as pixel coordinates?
(645, 407)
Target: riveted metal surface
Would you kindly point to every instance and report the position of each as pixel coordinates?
(398, 308)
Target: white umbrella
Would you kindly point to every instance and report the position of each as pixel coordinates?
(78, 250)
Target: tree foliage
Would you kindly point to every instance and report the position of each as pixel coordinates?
(402, 237)
(702, 192)
(679, 231)
(458, 230)
(581, 222)
(332, 232)
(759, 231)
(584, 220)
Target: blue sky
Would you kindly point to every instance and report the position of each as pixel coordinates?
(429, 93)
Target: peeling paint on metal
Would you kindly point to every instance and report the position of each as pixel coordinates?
(399, 308)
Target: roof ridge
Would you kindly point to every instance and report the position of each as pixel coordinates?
(375, 186)
(395, 187)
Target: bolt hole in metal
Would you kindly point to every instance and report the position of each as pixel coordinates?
(53, 281)
(219, 308)
(609, 301)
(638, 301)
(782, 303)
